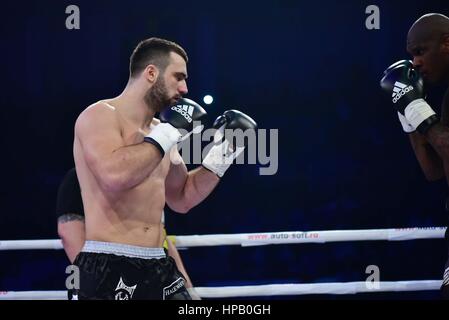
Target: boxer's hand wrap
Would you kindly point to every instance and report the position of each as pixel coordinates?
(177, 122)
(164, 136)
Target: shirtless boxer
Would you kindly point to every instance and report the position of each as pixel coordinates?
(123, 164)
(428, 44)
(70, 213)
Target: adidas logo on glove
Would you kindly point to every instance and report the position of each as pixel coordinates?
(399, 90)
(185, 111)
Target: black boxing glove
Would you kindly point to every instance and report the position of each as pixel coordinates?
(223, 152)
(405, 85)
(177, 123)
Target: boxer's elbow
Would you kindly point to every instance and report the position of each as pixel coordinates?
(114, 182)
(109, 175)
(177, 200)
(179, 206)
(111, 179)
(182, 210)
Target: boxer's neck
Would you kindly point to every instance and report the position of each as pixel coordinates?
(132, 106)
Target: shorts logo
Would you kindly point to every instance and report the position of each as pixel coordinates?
(185, 110)
(399, 90)
(172, 288)
(123, 292)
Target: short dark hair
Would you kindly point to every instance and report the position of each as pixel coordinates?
(153, 51)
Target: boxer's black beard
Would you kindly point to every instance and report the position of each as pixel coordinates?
(157, 97)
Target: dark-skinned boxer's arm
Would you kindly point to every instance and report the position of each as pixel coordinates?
(431, 163)
(438, 136)
(428, 159)
(403, 83)
(445, 109)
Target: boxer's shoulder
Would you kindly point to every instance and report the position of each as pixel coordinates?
(103, 107)
(98, 113)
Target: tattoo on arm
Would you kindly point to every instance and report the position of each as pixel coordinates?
(70, 217)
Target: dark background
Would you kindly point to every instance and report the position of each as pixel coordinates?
(310, 69)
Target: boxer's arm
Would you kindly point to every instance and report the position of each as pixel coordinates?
(429, 160)
(115, 166)
(184, 190)
(71, 230)
(438, 137)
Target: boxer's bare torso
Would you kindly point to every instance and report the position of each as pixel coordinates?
(131, 216)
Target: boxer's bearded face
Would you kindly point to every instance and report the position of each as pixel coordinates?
(157, 97)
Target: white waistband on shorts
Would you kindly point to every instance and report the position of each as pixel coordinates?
(121, 249)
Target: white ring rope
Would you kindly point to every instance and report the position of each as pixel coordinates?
(265, 290)
(259, 239)
(288, 237)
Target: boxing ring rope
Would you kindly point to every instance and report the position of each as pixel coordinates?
(258, 239)
(264, 290)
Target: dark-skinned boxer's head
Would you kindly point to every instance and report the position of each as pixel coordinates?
(162, 66)
(428, 43)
